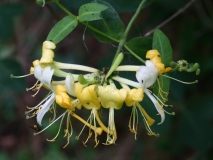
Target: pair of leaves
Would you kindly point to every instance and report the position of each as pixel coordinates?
(87, 12)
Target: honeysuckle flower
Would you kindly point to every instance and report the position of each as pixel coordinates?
(147, 76)
(89, 99)
(155, 58)
(45, 77)
(111, 98)
(134, 96)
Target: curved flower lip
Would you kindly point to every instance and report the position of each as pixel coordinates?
(45, 107)
(70, 85)
(133, 96)
(87, 96)
(45, 75)
(157, 106)
(112, 97)
(147, 75)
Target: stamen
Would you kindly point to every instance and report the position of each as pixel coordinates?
(12, 76)
(196, 81)
(146, 122)
(67, 133)
(52, 140)
(51, 123)
(32, 108)
(54, 112)
(166, 105)
(38, 89)
(27, 89)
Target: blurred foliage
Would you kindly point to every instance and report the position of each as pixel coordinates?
(187, 135)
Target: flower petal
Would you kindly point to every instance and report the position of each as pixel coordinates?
(70, 85)
(45, 108)
(38, 72)
(157, 105)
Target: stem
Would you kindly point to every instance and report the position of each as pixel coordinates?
(134, 54)
(84, 23)
(172, 17)
(123, 39)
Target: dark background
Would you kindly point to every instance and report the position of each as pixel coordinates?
(24, 26)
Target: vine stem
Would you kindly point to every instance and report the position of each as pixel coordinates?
(84, 23)
(123, 39)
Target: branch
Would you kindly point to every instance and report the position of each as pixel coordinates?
(172, 17)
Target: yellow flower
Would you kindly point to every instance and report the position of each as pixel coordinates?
(87, 96)
(155, 58)
(62, 98)
(112, 97)
(133, 96)
(47, 53)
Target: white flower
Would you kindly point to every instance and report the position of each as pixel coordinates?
(45, 77)
(146, 76)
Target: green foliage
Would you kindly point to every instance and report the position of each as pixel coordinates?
(91, 12)
(110, 24)
(162, 44)
(62, 29)
(140, 45)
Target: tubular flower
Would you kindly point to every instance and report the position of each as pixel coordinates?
(47, 53)
(62, 98)
(111, 98)
(45, 77)
(155, 58)
(134, 96)
(147, 76)
(88, 98)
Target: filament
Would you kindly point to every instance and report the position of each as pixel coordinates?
(51, 123)
(196, 81)
(12, 76)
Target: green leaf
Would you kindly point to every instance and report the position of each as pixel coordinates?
(140, 45)
(162, 44)
(110, 24)
(62, 29)
(91, 12)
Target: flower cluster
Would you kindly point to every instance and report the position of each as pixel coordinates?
(95, 91)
